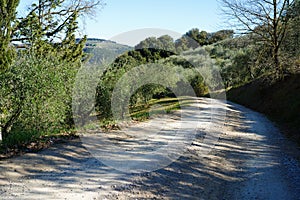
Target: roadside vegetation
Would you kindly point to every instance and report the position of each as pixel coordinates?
(259, 68)
(39, 58)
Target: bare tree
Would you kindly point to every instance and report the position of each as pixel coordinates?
(266, 18)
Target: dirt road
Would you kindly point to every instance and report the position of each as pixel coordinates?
(250, 159)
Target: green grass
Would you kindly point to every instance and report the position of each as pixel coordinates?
(19, 142)
(23, 137)
(141, 112)
(19, 138)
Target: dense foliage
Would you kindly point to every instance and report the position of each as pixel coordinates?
(36, 96)
(36, 81)
(7, 17)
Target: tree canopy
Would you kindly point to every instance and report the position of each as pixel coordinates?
(36, 83)
(266, 18)
(7, 25)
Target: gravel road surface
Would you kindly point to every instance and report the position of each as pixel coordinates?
(249, 159)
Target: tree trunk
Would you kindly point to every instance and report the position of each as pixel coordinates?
(278, 67)
(0, 133)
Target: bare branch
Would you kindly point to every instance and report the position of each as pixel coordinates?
(262, 17)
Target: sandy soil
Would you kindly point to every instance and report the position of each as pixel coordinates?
(250, 159)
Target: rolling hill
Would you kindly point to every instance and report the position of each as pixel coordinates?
(101, 50)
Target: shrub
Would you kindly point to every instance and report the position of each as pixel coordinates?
(36, 95)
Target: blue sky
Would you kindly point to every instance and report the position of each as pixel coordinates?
(119, 16)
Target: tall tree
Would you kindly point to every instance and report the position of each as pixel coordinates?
(49, 18)
(52, 22)
(266, 18)
(292, 41)
(7, 17)
(49, 30)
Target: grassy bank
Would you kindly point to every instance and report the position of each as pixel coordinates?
(279, 101)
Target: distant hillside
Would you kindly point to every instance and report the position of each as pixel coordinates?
(104, 50)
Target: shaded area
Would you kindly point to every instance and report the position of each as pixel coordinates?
(279, 100)
(249, 161)
(63, 171)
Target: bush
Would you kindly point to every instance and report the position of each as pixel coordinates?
(36, 95)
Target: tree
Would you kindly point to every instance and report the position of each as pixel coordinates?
(195, 38)
(48, 19)
(149, 43)
(167, 43)
(219, 36)
(292, 42)
(164, 42)
(7, 17)
(203, 38)
(182, 44)
(195, 35)
(266, 18)
(36, 89)
(50, 26)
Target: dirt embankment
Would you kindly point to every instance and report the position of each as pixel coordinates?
(280, 101)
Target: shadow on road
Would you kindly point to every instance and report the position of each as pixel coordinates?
(246, 157)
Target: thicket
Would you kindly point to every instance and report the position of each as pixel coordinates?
(35, 97)
(36, 80)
